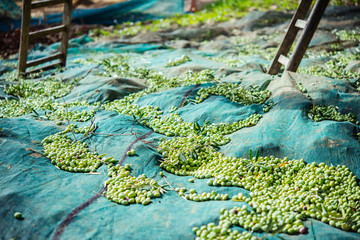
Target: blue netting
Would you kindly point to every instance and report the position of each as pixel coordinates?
(132, 10)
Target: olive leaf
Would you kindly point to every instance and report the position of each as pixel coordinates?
(182, 158)
(215, 145)
(193, 154)
(196, 127)
(35, 112)
(257, 155)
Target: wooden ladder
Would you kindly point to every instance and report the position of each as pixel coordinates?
(27, 36)
(309, 27)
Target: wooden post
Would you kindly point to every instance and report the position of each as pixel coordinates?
(193, 6)
(24, 36)
(66, 33)
(290, 36)
(306, 36)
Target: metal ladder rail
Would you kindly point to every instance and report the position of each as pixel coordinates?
(309, 27)
(27, 36)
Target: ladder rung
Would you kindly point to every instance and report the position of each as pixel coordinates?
(300, 23)
(283, 60)
(45, 3)
(47, 31)
(47, 67)
(44, 60)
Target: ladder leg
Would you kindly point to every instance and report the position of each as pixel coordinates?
(24, 36)
(307, 34)
(66, 33)
(290, 36)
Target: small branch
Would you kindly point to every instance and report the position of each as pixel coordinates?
(173, 188)
(112, 134)
(67, 118)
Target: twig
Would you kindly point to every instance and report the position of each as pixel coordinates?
(112, 134)
(168, 183)
(92, 142)
(149, 143)
(136, 122)
(67, 118)
(173, 188)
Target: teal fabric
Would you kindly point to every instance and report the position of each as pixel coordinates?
(46, 196)
(130, 10)
(9, 9)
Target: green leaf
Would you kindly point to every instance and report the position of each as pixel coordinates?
(257, 155)
(215, 146)
(196, 126)
(182, 158)
(193, 154)
(33, 110)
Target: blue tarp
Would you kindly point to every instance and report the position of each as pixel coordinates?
(9, 9)
(133, 10)
(57, 204)
(65, 205)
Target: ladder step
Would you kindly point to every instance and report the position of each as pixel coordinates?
(45, 3)
(47, 67)
(300, 23)
(283, 60)
(47, 31)
(44, 60)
